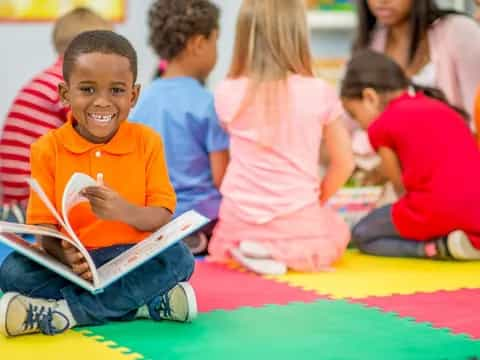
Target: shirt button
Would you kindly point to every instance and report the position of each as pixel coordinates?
(98, 153)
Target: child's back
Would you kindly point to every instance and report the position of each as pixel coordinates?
(276, 113)
(267, 181)
(440, 180)
(182, 111)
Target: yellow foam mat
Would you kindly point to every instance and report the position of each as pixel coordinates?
(359, 276)
(71, 345)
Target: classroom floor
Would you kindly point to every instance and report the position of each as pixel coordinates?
(368, 308)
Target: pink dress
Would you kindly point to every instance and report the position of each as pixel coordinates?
(271, 193)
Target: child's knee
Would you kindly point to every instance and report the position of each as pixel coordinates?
(11, 272)
(187, 264)
(360, 234)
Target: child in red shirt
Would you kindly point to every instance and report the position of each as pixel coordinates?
(412, 129)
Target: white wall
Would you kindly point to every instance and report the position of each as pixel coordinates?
(27, 48)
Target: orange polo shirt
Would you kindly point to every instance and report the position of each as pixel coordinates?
(132, 164)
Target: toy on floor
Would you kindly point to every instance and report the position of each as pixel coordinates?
(355, 203)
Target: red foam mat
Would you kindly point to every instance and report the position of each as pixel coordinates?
(219, 287)
(458, 310)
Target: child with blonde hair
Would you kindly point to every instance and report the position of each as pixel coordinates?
(37, 109)
(273, 215)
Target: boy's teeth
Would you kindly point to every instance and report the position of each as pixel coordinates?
(104, 118)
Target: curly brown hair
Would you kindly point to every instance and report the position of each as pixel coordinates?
(173, 22)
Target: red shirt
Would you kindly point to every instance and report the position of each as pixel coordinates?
(440, 165)
(36, 110)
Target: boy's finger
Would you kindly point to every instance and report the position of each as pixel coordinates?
(66, 245)
(100, 191)
(87, 276)
(74, 257)
(80, 268)
(95, 198)
(78, 258)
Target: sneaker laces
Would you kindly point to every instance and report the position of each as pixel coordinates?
(163, 306)
(41, 317)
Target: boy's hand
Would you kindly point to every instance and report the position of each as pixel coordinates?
(107, 204)
(76, 260)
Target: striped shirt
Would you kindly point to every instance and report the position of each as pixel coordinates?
(36, 110)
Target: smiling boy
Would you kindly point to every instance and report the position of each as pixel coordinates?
(100, 69)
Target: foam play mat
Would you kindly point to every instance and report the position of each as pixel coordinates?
(368, 308)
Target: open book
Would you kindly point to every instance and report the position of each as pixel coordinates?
(113, 270)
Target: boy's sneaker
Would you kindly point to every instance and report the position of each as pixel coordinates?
(20, 315)
(461, 247)
(179, 304)
(259, 266)
(197, 243)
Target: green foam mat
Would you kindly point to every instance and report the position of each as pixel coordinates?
(321, 330)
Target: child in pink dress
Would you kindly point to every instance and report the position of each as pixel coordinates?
(273, 216)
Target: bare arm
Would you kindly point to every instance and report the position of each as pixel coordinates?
(391, 169)
(218, 163)
(149, 218)
(339, 148)
(107, 204)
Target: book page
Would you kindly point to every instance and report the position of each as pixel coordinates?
(76, 183)
(153, 245)
(71, 194)
(72, 197)
(9, 227)
(41, 194)
(41, 257)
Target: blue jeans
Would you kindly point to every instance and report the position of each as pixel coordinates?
(376, 234)
(119, 301)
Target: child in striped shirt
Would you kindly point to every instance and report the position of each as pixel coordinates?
(37, 109)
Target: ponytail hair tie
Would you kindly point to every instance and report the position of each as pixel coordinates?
(162, 65)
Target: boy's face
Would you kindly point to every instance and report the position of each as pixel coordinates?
(100, 92)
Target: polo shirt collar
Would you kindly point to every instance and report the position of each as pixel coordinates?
(121, 143)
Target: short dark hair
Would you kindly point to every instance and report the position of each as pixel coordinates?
(423, 14)
(173, 22)
(99, 41)
(371, 69)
